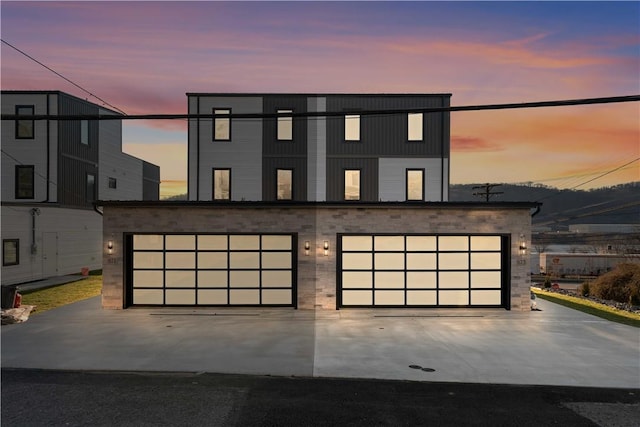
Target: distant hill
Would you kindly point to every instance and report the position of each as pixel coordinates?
(609, 205)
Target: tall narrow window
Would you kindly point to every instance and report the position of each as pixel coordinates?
(221, 125)
(285, 126)
(90, 190)
(222, 184)
(415, 184)
(84, 132)
(352, 127)
(352, 184)
(414, 127)
(10, 252)
(24, 128)
(113, 183)
(284, 178)
(24, 182)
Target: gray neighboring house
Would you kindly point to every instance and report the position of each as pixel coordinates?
(52, 174)
(322, 213)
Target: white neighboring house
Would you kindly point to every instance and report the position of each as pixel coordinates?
(52, 173)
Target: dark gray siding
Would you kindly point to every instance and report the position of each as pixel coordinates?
(270, 145)
(368, 178)
(386, 135)
(72, 187)
(269, 167)
(150, 181)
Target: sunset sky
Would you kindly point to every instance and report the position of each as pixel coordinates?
(144, 56)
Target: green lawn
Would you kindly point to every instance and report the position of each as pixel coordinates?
(47, 299)
(590, 307)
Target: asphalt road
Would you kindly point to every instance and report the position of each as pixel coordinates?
(72, 398)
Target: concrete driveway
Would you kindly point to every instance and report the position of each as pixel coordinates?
(554, 346)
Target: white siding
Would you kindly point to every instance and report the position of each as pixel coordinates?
(317, 149)
(79, 244)
(392, 178)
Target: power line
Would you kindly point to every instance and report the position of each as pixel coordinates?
(487, 193)
(61, 76)
(558, 103)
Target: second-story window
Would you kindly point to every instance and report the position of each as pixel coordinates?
(414, 127)
(113, 183)
(352, 184)
(24, 128)
(222, 184)
(25, 182)
(84, 132)
(285, 126)
(352, 127)
(90, 189)
(221, 124)
(284, 178)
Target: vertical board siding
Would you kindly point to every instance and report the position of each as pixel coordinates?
(270, 143)
(269, 167)
(368, 178)
(150, 181)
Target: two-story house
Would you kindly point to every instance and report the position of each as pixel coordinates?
(52, 173)
(290, 151)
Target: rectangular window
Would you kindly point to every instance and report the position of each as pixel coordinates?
(415, 184)
(24, 128)
(222, 184)
(24, 182)
(352, 127)
(10, 252)
(113, 183)
(414, 126)
(352, 184)
(84, 132)
(284, 184)
(221, 125)
(90, 189)
(285, 126)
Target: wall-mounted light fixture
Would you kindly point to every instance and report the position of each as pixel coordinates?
(523, 245)
(110, 247)
(326, 248)
(307, 246)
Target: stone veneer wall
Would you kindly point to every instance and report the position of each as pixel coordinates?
(316, 223)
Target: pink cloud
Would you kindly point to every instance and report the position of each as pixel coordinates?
(468, 143)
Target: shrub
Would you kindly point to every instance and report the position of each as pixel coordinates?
(622, 284)
(584, 289)
(547, 282)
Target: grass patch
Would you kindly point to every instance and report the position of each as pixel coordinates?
(50, 298)
(590, 307)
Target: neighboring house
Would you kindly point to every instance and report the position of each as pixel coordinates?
(52, 173)
(383, 157)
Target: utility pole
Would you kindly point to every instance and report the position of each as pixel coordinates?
(487, 193)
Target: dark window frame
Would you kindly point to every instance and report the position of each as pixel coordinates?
(18, 168)
(344, 184)
(213, 183)
(406, 184)
(84, 123)
(90, 198)
(6, 263)
(113, 182)
(216, 117)
(292, 186)
(344, 133)
(32, 122)
(284, 111)
(415, 141)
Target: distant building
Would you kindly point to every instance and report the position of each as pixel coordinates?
(52, 173)
(369, 158)
(604, 228)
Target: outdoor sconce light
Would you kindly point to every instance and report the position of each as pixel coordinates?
(110, 247)
(523, 245)
(306, 247)
(326, 248)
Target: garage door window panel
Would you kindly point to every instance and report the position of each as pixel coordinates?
(389, 297)
(180, 279)
(276, 279)
(213, 260)
(148, 260)
(388, 279)
(389, 261)
(181, 260)
(213, 279)
(148, 296)
(244, 279)
(180, 297)
(453, 261)
(148, 279)
(213, 296)
(422, 261)
(244, 260)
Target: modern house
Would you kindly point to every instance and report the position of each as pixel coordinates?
(318, 202)
(53, 171)
(297, 154)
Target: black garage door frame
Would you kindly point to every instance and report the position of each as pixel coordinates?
(505, 271)
(128, 269)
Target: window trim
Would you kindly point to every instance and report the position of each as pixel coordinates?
(213, 121)
(213, 183)
(86, 187)
(33, 130)
(406, 184)
(344, 184)
(280, 119)
(352, 116)
(4, 252)
(292, 186)
(409, 127)
(84, 137)
(17, 182)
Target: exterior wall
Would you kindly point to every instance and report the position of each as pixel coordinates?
(243, 154)
(317, 151)
(150, 181)
(316, 273)
(392, 178)
(557, 264)
(67, 240)
(368, 178)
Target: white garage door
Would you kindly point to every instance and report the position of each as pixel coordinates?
(422, 270)
(212, 269)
